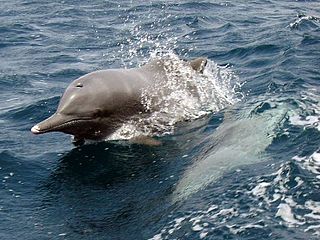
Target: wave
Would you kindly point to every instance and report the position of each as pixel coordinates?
(34, 112)
(287, 197)
(309, 114)
(305, 21)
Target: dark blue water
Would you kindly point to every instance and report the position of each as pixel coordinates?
(249, 171)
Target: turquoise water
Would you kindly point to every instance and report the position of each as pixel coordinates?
(250, 169)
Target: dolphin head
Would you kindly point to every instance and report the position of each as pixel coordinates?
(83, 110)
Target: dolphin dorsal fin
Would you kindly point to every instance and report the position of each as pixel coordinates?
(198, 64)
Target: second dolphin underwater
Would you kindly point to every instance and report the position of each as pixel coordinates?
(96, 104)
(241, 139)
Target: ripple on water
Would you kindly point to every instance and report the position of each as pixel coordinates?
(305, 22)
(284, 198)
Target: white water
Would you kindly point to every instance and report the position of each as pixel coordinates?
(186, 96)
(215, 89)
(310, 107)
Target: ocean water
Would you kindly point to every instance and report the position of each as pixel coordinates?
(242, 161)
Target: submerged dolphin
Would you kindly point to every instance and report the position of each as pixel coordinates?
(96, 104)
(238, 141)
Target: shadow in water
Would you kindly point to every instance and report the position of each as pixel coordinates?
(117, 190)
(104, 164)
(114, 189)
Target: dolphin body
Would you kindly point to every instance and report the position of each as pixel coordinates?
(240, 140)
(96, 104)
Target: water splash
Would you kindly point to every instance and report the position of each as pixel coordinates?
(152, 34)
(185, 96)
(303, 18)
(309, 115)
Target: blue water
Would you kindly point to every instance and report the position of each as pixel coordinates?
(265, 147)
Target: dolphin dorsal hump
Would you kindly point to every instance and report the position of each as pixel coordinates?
(198, 64)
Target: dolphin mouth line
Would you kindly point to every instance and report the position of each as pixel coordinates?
(37, 130)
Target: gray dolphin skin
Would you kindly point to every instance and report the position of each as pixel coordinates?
(96, 104)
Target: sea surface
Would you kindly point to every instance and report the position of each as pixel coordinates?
(242, 161)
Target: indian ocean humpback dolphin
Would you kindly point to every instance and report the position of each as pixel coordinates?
(96, 104)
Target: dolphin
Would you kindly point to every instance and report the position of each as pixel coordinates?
(240, 140)
(96, 104)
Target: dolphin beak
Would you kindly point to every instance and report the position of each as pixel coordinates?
(36, 129)
(52, 123)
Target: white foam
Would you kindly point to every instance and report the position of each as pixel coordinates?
(198, 224)
(260, 189)
(197, 228)
(285, 212)
(291, 212)
(309, 121)
(203, 235)
(302, 18)
(314, 228)
(310, 105)
(234, 229)
(311, 163)
(186, 95)
(315, 209)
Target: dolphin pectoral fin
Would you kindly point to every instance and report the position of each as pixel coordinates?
(145, 140)
(199, 64)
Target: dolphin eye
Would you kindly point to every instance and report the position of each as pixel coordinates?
(79, 85)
